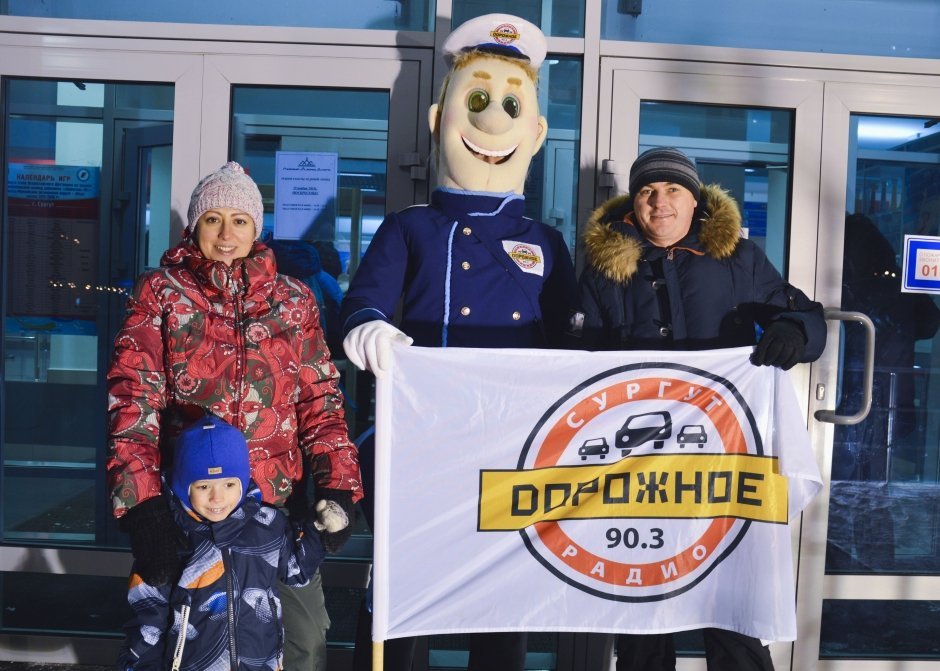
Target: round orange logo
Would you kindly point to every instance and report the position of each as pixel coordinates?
(524, 256)
(656, 442)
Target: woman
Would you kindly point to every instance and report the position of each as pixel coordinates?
(216, 330)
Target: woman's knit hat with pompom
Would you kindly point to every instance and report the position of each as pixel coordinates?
(229, 186)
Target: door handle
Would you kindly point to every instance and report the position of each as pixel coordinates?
(830, 416)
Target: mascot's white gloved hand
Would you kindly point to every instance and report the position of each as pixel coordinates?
(369, 345)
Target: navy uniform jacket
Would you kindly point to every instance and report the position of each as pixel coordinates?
(470, 270)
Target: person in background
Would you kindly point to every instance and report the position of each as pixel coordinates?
(862, 536)
(667, 269)
(301, 260)
(469, 269)
(329, 258)
(216, 330)
(224, 610)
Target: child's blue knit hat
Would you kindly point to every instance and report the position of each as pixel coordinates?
(209, 449)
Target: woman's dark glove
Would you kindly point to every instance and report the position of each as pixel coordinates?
(332, 517)
(156, 540)
(782, 345)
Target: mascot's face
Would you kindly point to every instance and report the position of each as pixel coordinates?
(488, 128)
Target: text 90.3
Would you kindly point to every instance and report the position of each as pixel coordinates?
(631, 538)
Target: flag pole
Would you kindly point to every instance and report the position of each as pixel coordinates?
(381, 517)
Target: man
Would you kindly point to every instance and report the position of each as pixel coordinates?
(469, 269)
(668, 269)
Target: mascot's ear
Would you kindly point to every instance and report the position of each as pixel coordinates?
(543, 133)
(434, 122)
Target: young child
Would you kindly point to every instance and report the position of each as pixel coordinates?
(223, 612)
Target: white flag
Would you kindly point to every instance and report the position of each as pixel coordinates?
(620, 492)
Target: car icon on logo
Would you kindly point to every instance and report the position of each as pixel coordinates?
(692, 433)
(594, 447)
(639, 429)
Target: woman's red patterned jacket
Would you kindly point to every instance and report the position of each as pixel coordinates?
(241, 342)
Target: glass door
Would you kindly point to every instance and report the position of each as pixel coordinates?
(353, 120)
(833, 178)
(67, 117)
(751, 130)
(875, 589)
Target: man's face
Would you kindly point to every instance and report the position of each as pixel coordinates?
(488, 127)
(663, 212)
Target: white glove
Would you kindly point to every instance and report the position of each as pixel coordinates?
(369, 345)
(330, 517)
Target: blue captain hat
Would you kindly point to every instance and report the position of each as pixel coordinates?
(503, 34)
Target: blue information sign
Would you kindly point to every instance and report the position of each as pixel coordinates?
(921, 273)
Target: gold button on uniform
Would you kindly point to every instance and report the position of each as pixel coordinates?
(464, 311)
(516, 315)
(466, 230)
(465, 265)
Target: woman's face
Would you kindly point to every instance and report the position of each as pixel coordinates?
(225, 234)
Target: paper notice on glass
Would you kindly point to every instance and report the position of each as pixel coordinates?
(305, 195)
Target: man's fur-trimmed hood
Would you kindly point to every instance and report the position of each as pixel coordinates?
(614, 246)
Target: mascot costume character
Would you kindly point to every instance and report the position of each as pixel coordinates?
(468, 269)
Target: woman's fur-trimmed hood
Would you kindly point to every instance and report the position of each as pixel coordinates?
(614, 247)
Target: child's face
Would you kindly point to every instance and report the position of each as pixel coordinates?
(215, 499)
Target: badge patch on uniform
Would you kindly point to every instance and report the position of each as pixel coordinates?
(526, 255)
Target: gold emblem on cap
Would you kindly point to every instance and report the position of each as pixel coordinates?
(214, 470)
(505, 33)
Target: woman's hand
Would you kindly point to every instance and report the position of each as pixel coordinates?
(156, 540)
(332, 517)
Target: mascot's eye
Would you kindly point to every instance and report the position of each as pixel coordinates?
(512, 106)
(478, 100)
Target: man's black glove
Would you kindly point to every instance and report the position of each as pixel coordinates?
(332, 516)
(782, 345)
(156, 540)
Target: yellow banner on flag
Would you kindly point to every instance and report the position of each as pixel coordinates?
(683, 486)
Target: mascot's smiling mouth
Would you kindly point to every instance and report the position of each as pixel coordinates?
(495, 157)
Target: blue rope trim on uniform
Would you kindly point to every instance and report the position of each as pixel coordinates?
(508, 199)
(450, 264)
